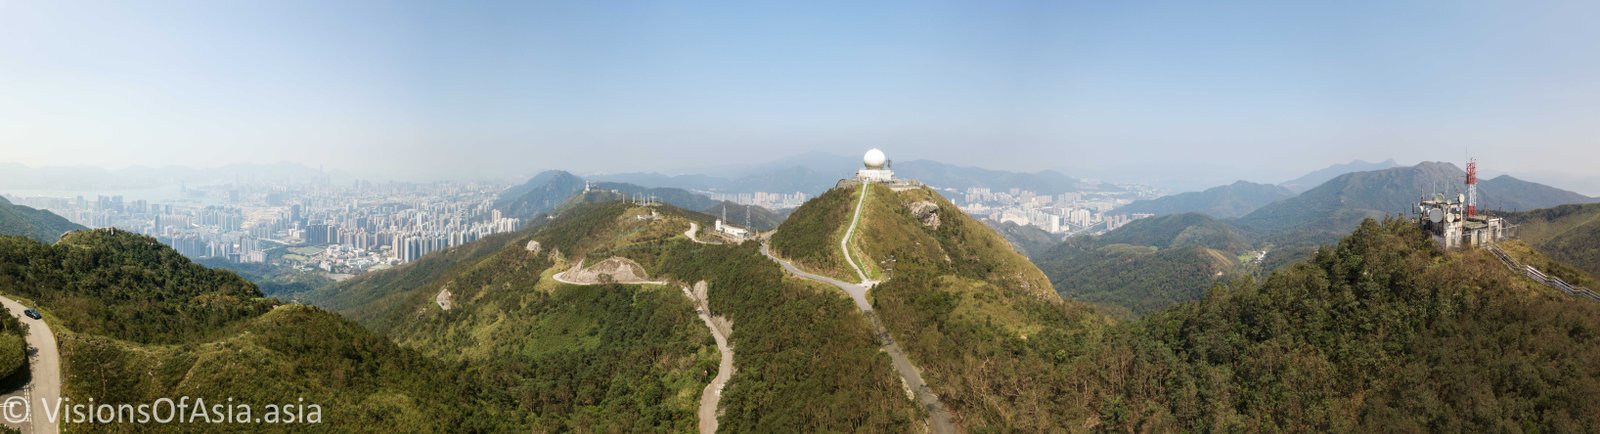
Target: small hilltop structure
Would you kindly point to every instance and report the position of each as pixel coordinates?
(733, 233)
(877, 168)
(1455, 222)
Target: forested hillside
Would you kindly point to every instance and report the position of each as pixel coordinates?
(127, 286)
(1383, 332)
(136, 321)
(806, 361)
(810, 236)
(1148, 264)
(43, 226)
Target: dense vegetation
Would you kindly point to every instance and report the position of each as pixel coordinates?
(140, 322)
(808, 362)
(275, 280)
(810, 236)
(633, 358)
(603, 358)
(13, 345)
(126, 286)
(37, 224)
(360, 380)
(1227, 201)
(1147, 265)
(1383, 332)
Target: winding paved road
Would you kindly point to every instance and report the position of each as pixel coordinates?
(45, 362)
(713, 391)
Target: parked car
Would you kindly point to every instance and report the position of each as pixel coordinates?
(32, 313)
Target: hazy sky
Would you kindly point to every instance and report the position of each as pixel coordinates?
(456, 89)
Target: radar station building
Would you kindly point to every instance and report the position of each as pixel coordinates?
(876, 168)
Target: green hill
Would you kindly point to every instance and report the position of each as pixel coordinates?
(989, 334)
(127, 286)
(1383, 332)
(1226, 201)
(136, 321)
(37, 224)
(633, 357)
(540, 195)
(1148, 264)
(1567, 233)
(810, 236)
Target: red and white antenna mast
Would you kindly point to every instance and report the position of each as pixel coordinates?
(1472, 187)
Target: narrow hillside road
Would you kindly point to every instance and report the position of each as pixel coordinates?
(713, 391)
(45, 363)
(844, 244)
(938, 415)
(694, 228)
(560, 277)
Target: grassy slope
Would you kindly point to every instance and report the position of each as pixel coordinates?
(989, 333)
(1566, 233)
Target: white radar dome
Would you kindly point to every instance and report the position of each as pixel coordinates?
(874, 159)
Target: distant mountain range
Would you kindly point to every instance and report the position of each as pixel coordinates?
(814, 173)
(550, 191)
(1335, 207)
(38, 224)
(1228, 201)
(1316, 178)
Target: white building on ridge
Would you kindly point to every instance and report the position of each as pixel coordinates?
(877, 168)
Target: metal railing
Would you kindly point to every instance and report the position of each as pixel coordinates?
(1541, 277)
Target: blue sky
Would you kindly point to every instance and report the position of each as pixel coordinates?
(1256, 90)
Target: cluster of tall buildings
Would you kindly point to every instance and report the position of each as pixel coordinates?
(1059, 213)
(762, 199)
(315, 226)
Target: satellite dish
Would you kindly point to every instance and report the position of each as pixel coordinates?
(1435, 215)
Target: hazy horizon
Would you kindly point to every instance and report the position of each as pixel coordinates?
(1257, 91)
